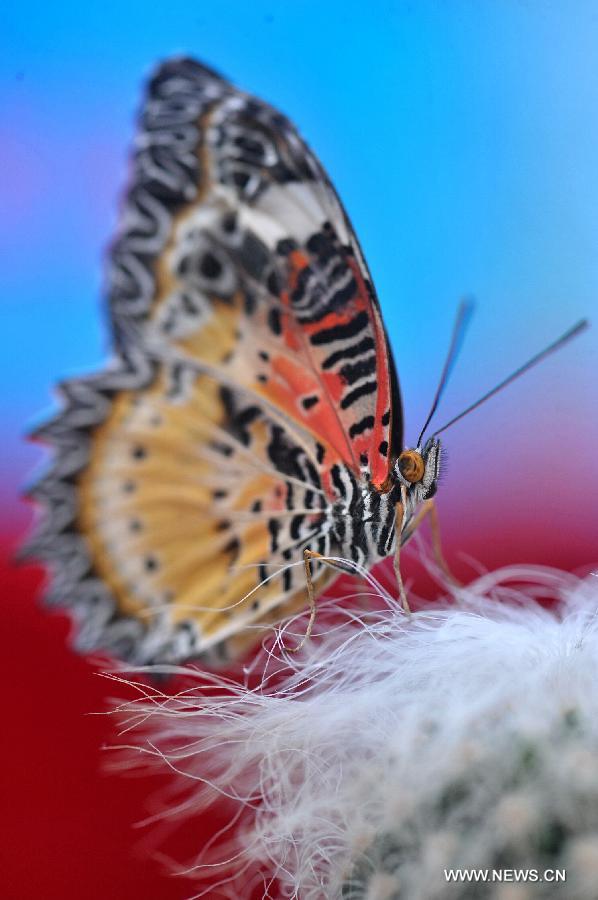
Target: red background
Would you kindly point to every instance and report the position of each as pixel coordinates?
(67, 825)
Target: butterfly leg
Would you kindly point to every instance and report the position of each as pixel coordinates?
(308, 555)
(400, 515)
(430, 509)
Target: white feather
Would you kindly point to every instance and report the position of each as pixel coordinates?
(464, 736)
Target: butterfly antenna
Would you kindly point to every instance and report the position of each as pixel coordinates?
(556, 345)
(464, 314)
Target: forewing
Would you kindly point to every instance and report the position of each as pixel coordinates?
(255, 213)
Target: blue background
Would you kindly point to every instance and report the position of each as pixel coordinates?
(463, 139)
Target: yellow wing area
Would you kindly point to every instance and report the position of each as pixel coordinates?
(176, 510)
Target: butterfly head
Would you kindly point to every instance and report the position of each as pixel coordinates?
(418, 470)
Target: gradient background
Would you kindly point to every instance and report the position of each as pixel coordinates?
(463, 139)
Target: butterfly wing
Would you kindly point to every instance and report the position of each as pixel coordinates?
(251, 369)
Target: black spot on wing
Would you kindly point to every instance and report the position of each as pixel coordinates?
(241, 179)
(357, 393)
(284, 453)
(250, 302)
(274, 529)
(296, 523)
(341, 332)
(337, 481)
(229, 222)
(308, 402)
(365, 345)
(321, 245)
(254, 256)
(363, 425)
(210, 267)
(274, 321)
(290, 497)
(312, 473)
(273, 284)
(352, 372)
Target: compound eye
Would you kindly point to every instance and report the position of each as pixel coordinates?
(411, 466)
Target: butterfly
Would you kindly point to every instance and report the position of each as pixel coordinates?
(250, 417)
